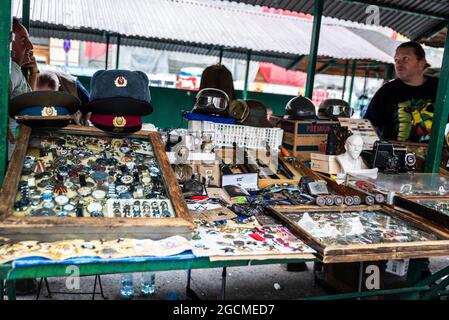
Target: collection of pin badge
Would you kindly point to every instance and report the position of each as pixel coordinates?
(365, 227)
(71, 175)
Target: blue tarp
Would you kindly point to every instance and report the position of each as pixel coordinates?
(38, 261)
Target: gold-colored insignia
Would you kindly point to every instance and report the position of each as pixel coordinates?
(119, 122)
(49, 112)
(121, 82)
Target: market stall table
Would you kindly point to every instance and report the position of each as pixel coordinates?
(31, 268)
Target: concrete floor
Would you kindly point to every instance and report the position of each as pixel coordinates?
(243, 283)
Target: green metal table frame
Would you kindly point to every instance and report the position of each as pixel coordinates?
(414, 290)
(9, 274)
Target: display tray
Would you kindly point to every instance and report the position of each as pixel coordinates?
(424, 194)
(82, 183)
(434, 208)
(358, 234)
(409, 185)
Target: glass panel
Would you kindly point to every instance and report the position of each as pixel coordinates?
(365, 227)
(407, 184)
(438, 205)
(85, 176)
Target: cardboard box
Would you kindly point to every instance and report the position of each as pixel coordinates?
(324, 163)
(304, 137)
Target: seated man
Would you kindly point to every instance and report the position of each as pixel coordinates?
(22, 56)
(58, 81)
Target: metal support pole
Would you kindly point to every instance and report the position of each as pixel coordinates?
(245, 90)
(351, 88)
(359, 287)
(26, 14)
(390, 6)
(5, 58)
(190, 294)
(223, 283)
(11, 289)
(189, 279)
(296, 62)
(221, 55)
(437, 139)
(108, 36)
(365, 80)
(117, 58)
(344, 81)
(390, 72)
(317, 14)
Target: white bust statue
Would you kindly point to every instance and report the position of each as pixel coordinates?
(351, 161)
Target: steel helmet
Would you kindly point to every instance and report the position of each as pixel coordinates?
(300, 108)
(334, 109)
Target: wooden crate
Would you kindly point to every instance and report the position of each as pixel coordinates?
(370, 252)
(86, 228)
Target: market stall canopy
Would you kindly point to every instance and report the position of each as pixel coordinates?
(195, 26)
(436, 40)
(415, 19)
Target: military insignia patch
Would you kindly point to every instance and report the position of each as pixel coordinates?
(119, 122)
(49, 112)
(121, 82)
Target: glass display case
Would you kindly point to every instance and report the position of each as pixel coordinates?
(78, 181)
(405, 184)
(355, 235)
(426, 195)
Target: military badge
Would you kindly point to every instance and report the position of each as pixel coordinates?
(121, 82)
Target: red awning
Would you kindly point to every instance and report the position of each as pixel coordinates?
(287, 13)
(95, 50)
(272, 73)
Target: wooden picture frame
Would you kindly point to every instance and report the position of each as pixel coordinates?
(86, 228)
(370, 252)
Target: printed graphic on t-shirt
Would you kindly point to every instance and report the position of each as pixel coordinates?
(415, 120)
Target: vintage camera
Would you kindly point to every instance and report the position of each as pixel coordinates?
(392, 158)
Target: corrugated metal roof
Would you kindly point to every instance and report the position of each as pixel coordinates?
(419, 18)
(378, 39)
(195, 26)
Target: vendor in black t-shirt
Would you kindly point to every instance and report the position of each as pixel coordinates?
(403, 108)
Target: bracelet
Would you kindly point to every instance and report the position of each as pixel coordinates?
(37, 72)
